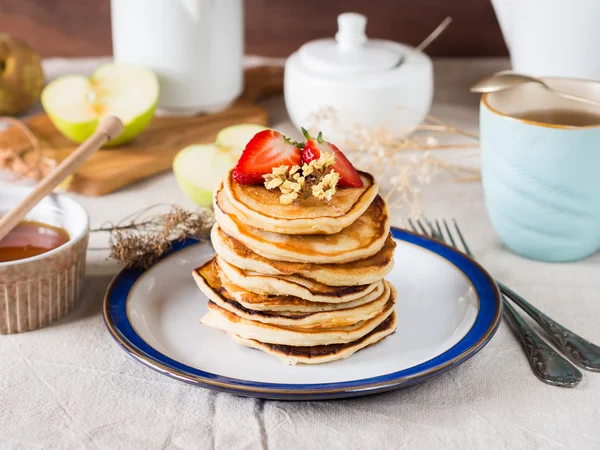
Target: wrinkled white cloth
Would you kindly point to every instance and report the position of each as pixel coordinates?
(70, 386)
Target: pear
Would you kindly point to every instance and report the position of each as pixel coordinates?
(21, 76)
(76, 104)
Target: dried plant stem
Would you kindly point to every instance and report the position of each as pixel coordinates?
(456, 168)
(442, 147)
(468, 179)
(130, 226)
(451, 128)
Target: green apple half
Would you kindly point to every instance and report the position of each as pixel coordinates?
(76, 104)
(200, 168)
(234, 138)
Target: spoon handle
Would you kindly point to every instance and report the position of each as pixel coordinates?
(546, 364)
(434, 34)
(575, 98)
(109, 128)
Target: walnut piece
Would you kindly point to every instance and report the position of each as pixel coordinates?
(316, 179)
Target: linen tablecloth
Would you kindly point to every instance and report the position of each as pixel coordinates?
(71, 386)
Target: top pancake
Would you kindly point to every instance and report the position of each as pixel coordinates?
(260, 208)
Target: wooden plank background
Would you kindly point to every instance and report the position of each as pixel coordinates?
(273, 27)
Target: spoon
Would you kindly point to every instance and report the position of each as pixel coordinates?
(506, 80)
(428, 40)
(108, 129)
(434, 34)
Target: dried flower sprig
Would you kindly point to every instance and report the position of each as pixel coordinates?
(316, 179)
(139, 240)
(325, 189)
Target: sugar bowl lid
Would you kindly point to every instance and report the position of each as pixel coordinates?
(351, 52)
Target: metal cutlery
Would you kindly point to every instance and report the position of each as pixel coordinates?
(546, 363)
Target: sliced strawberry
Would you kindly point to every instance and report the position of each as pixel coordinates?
(313, 148)
(266, 150)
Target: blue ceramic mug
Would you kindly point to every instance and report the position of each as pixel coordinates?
(542, 181)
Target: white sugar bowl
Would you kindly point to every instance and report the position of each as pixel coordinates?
(366, 82)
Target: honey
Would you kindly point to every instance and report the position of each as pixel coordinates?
(29, 239)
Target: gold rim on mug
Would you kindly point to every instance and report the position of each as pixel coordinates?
(485, 102)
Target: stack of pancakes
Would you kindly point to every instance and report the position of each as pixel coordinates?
(303, 282)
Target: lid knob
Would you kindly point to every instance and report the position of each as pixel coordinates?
(351, 31)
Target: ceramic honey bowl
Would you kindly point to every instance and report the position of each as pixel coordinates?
(38, 290)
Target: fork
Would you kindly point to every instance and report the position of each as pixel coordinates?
(547, 365)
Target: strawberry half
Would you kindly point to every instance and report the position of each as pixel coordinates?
(266, 150)
(313, 148)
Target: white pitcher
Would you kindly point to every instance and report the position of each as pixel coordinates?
(194, 46)
(552, 37)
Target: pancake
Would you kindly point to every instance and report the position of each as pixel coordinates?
(260, 208)
(209, 284)
(207, 277)
(363, 238)
(229, 322)
(288, 303)
(319, 354)
(292, 285)
(314, 321)
(365, 271)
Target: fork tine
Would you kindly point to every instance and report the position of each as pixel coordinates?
(462, 239)
(412, 225)
(449, 234)
(432, 232)
(439, 232)
(422, 227)
(439, 229)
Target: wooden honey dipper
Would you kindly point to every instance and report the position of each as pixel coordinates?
(108, 129)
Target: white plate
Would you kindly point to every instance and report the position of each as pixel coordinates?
(447, 309)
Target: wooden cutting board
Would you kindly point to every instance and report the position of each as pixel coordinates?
(153, 151)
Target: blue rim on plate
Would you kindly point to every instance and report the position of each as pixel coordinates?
(486, 324)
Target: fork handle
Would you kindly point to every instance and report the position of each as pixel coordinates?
(546, 364)
(575, 347)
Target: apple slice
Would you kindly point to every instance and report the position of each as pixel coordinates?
(234, 138)
(76, 104)
(200, 168)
